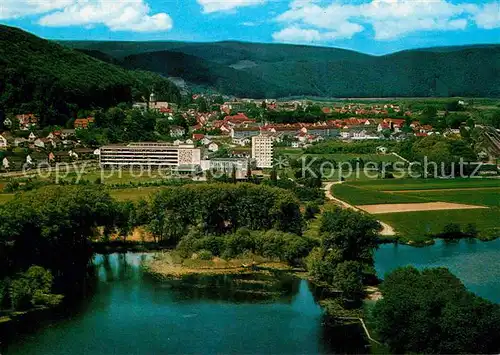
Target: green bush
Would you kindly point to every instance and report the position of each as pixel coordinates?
(283, 246)
(238, 243)
(471, 230)
(205, 255)
(46, 299)
(312, 209)
(319, 268)
(32, 287)
(452, 230)
(214, 244)
(20, 294)
(4, 293)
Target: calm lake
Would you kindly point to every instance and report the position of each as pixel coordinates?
(474, 262)
(129, 312)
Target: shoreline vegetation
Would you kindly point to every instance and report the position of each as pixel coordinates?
(169, 264)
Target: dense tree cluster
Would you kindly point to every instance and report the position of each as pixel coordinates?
(445, 152)
(222, 208)
(27, 289)
(345, 257)
(272, 244)
(336, 147)
(307, 188)
(431, 312)
(52, 227)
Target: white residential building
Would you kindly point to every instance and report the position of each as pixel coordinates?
(149, 154)
(213, 147)
(220, 166)
(262, 151)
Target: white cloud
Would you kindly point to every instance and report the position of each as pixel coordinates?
(11, 9)
(488, 17)
(210, 6)
(390, 19)
(129, 15)
(297, 34)
(117, 15)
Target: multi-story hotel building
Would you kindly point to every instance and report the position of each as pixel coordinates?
(150, 154)
(262, 151)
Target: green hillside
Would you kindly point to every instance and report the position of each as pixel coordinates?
(54, 81)
(281, 70)
(196, 70)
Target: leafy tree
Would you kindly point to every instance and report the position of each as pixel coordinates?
(202, 104)
(431, 312)
(452, 230)
(219, 208)
(32, 287)
(52, 227)
(345, 258)
(351, 234)
(348, 276)
(471, 230)
(312, 209)
(273, 177)
(428, 115)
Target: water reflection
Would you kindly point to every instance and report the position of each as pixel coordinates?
(130, 312)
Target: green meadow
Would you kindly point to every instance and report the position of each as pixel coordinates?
(422, 226)
(486, 197)
(361, 196)
(427, 184)
(134, 193)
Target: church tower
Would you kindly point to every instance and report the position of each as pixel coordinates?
(152, 98)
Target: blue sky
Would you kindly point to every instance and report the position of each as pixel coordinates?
(370, 26)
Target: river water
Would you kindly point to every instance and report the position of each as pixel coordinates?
(129, 312)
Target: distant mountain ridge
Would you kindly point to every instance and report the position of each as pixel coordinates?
(281, 70)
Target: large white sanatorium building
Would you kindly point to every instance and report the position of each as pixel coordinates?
(150, 154)
(262, 151)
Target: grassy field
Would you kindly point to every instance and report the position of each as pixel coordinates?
(133, 193)
(313, 226)
(376, 158)
(427, 184)
(468, 191)
(6, 197)
(296, 153)
(487, 197)
(119, 177)
(361, 196)
(106, 176)
(420, 226)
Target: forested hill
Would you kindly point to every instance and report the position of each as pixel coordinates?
(54, 81)
(280, 70)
